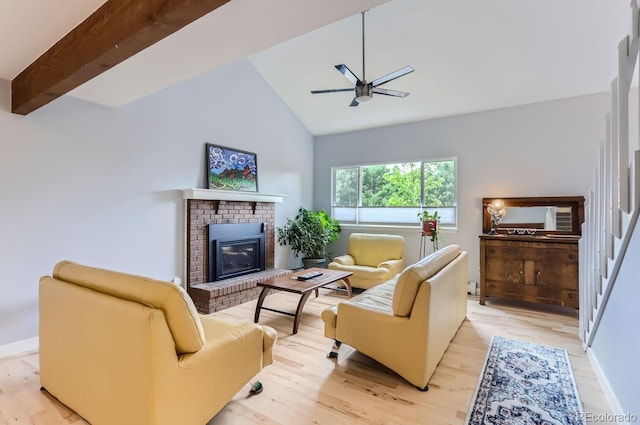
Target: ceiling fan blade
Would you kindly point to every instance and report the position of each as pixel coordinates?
(354, 102)
(390, 92)
(344, 70)
(392, 76)
(330, 90)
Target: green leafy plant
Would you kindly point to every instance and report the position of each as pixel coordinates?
(309, 233)
(433, 226)
(425, 215)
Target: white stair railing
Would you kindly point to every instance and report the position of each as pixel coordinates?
(613, 202)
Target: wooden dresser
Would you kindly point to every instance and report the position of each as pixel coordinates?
(529, 268)
(540, 267)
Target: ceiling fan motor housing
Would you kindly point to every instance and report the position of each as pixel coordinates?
(364, 91)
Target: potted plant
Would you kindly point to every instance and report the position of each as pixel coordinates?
(429, 222)
(308, 234)
(431, 226)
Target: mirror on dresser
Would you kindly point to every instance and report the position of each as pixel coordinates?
(529, 249)
(550, 215)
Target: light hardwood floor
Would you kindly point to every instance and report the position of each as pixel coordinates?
(303, 386)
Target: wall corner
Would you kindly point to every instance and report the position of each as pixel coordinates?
(5, 95)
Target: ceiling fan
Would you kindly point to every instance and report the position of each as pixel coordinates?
(363, 90)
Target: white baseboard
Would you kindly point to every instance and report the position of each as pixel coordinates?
(19, 347)
(604, 383)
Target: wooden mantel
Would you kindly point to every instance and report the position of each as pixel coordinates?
(229, 195)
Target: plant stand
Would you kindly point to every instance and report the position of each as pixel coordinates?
(424, 238)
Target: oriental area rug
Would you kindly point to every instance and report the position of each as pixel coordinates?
(525, 383)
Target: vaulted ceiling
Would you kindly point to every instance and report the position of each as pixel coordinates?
(468, 55)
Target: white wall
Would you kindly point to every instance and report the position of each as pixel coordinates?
(543, 149)
(616, 344)
(101, 186)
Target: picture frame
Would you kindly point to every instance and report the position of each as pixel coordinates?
(231, 169)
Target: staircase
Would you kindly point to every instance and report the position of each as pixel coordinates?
(613, 202)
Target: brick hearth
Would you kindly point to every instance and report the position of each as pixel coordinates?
(214, 296)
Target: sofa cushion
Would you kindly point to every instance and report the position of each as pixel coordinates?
(377, 298)
(408, 282)
(180, 313)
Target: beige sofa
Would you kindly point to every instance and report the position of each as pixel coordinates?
(125, 349)
(407, 322)
(372, 258)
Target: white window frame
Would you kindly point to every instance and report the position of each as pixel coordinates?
(402, 216)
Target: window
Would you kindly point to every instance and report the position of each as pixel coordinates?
(395, 193)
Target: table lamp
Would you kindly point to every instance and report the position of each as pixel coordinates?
(497, 211)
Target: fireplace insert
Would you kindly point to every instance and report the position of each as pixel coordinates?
(235, 250)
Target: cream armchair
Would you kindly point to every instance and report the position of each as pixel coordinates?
(406, 323)
(125, 349)
(372, 258)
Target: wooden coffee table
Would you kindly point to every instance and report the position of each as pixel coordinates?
(289, 283)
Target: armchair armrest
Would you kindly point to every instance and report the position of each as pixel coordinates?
(345, 260)
(270, 336)
(229, 358)
(225, 345)
(394, 266)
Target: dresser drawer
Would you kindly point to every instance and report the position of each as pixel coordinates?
(550, 252)
(532, 293)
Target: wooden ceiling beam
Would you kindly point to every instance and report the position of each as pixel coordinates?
(116, 31)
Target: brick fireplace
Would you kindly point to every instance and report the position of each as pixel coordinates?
(204, 207)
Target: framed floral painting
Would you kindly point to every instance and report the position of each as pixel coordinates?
(231, 169)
